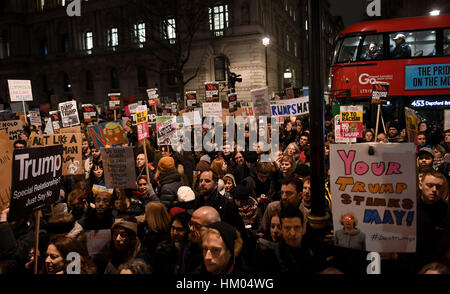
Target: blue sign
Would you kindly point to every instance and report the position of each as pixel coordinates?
(427, 76)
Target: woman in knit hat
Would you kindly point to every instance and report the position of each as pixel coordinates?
(169, 181)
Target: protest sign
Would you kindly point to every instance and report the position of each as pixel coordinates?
(72, 154)
(153, 97)
(192, 118)
(6, 155)
(380, 92)
(89, 113)
(109, 133)
(14, 128)
(142, 130)
(75, 129)
(114, 101)
(337, 127)
(69, 113)
(151, 118)
(379, 189)
(97, 240)
(119, 167)
(141, 114)
(48, 127)
(212, 91)
(212, 109)
(412, 122)
(260, 100)
(247, 109)
(296, 106)
(55, 116)
(99, 188)
(351, 121)
(20, 90)
(35, 118)
(166, 126)
(37, 177)
(232, 102)
(191, 98)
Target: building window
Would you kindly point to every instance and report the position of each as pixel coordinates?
(88, 42)
(65, 43)
(114, 79)
(89, 81)
(169, 30)
(287, 43)
(44, 47)
(220, 68)
(66, 83)
(218, 19)
(41, 4)
(112, 37)
(62, 2)
(142, 77)
(139, 35)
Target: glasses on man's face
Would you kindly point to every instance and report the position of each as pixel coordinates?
(195, 225)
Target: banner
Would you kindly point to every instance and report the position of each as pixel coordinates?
(351, 121)
(119, 167)
(14, 128)
(212, 91)
(72, 154)
(380, 92)
(412, 125)
(37, 178)
(212, 109)
(114, 101)
(89, 113)
(69, 113)
(20, 90)
(35, 118)
(6, 155)
(191, 98)
(232, 102)
(109, 133)
(260, 100)
(296, 106)
(165, 127)
(247, 109)
(55, 116)
(379, 190)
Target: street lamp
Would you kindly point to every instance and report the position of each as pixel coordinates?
(266, 42)
(435, 12)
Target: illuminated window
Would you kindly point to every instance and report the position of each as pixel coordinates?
(218, 19)
(88, 42)
(139, 34)
(112, 37)
(169, 30)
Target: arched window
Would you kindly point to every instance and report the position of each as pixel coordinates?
(220, 66)
(89, 81)
(142, 76)
(114, 78)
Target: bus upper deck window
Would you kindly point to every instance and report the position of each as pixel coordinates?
(413, 44)
(372, 48)
(447, 42)
(348, 52)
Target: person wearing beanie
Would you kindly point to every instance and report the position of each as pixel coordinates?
(247, 205)
(393, 133)
(125, 243)
(169, 181)
(221, 245)
(186, 199)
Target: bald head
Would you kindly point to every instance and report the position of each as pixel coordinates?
(202, 217)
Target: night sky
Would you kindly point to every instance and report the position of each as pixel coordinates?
(352, 11)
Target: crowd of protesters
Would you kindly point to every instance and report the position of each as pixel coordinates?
(224, 212)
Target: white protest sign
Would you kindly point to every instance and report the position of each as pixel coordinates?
(192, 118)
(35, 118)
(260, 100)
(69, 113)
(379, 190)
(20, 90)
(211, 109)
(296, 106)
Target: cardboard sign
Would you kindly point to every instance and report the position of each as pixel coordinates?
(14, 128)
(55, 116)
(212, 91)
(232, 102)
(119, 167)
(412, 125)
(247, 109)
(260, 100)
(379, 190)
(166, 126)
(72, 154)
(89, 113)
(114, 101)
(191, 98)
(69, 113)
(75, 129)
(380, 92)
(297, 106)
(20, 90)
(37, 178)
(109, 133)
(35, 118)
(96, 241)
(351, 121)
(6, 155)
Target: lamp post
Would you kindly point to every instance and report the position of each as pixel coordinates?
(266, 42)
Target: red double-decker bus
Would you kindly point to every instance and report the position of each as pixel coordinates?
(411, 54)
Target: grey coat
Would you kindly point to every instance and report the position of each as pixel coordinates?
(355, 240)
